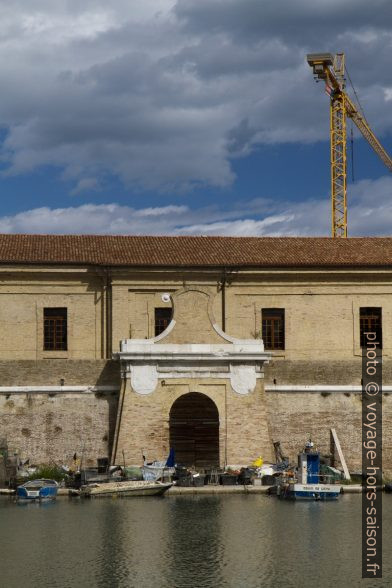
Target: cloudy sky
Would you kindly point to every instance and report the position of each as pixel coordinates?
(187, 116)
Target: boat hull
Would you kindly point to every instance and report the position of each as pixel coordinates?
(37, 490)
(125, 489)
(309, 491)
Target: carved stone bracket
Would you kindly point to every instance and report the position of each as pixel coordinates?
(243, 378)
(144, 378)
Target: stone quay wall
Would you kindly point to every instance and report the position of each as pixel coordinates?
(294, 415)
(46, 422)
(47, 426)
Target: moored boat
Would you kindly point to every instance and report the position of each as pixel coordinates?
(41, 489)
(307, 483)
(126, 488)
(295, 491)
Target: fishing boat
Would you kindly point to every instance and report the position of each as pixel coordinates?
(307, 483)
(41, 489)
(126, 488)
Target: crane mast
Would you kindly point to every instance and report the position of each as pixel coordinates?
(331, 69)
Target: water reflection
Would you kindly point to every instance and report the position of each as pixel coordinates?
(194, 546)
(185, 541)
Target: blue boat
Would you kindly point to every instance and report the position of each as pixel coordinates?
(306, 484)
(42, 489)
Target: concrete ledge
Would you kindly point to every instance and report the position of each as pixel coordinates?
(210, 489)
(317, 388)
(57, 389)
(356, 489)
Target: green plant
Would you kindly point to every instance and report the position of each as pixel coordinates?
(51, 472)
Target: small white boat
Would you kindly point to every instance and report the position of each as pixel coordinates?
(126, 488)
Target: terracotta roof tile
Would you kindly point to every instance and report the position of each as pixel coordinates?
(195, 251)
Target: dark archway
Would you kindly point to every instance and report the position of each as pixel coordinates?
(194, 431)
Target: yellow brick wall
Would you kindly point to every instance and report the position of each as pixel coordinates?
(21, 316)
(321, 309)
(322, 335)
(243, 425)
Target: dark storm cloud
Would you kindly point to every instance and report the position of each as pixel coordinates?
(164, 94)
(290, 20)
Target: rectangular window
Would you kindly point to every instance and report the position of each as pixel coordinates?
(162, 319)
(55, 329)
(370, 321)
(273, 328)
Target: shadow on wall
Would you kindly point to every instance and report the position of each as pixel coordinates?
(110, 375)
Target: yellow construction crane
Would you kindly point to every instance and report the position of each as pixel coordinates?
(331, 69)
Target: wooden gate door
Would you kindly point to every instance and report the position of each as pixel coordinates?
(194, 431)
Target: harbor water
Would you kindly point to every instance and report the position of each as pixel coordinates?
(236, 541)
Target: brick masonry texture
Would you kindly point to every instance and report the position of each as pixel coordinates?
(51, 428)
(107, 304)
(49, 372)
(293, 417)
(243, 430)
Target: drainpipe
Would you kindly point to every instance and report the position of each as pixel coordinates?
(118, 419)
(222, 286)
(108, 305)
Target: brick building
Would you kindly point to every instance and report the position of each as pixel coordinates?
(217, 346)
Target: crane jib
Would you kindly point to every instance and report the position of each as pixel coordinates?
(331, 69)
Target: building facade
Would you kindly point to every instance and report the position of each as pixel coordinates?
(218, 347)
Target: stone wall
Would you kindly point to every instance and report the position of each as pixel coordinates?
(243, 427)
(51, 427)
(23, 297)
(49, 372)
(294, 416)
(322, 348)
(285, 372)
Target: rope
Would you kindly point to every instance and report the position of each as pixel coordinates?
(355, 94)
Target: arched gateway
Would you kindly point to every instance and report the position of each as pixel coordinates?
(193, 388)
(194, 430)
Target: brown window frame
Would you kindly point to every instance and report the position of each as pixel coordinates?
(55, 328)
(162, 322)
(370, 319)
(273, 328)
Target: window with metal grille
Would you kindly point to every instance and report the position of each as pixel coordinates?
(273, 328)
(162, 319)
(55, 329)
(370, 321)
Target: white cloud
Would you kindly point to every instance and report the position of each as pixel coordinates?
(85, 184)
(370, 213)
(163, 94)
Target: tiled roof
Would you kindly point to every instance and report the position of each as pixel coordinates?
(195, 251)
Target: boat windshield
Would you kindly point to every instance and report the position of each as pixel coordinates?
(40, 483)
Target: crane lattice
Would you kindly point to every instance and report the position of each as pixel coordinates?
(331, 69)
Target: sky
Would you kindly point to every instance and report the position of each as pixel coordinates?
(187, 117)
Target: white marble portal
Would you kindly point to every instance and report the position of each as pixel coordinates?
(146, 361)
